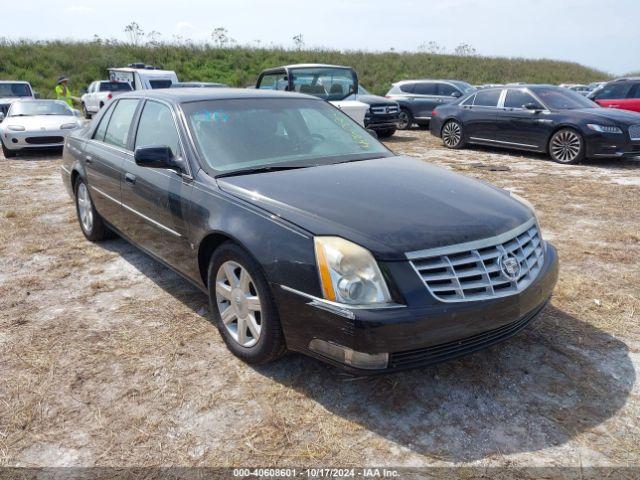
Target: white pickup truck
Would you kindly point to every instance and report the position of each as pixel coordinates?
(99, 93)
(143, 77)
(12, 90)
(333, 83)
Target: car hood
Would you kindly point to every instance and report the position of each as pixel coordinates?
(40, 122)
(612, 114)
(374, 100)
(389, 205)
(6, 100)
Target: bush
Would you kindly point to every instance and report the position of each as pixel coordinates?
(42, 62)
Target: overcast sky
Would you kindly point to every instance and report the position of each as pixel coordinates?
(600, 33)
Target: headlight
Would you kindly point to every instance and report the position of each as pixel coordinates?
(604, 128)
(523, 201)
(348, 273)
(16, 128)
(66, 126)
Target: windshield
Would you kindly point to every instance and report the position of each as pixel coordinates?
(115, 87)
(14, 90)
(241, 134)
(562, 98)
(324, 82)
(39, 107)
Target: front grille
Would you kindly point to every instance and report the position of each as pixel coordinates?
(386, 109)
(456, 348)
(634, 132)
(43, 140)
(484, 269)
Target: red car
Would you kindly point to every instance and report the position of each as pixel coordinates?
(623, 93)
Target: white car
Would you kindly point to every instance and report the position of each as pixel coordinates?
(143, 77)
(33, 124)
(11, 90)
(99, 93)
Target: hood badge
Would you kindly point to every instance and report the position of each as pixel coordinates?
(510, 266)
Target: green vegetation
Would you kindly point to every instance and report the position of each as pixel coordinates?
(42, 62)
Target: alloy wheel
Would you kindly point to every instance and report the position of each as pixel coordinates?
(238, 303)
(85, 209)
(566, 146)
(403, 120)
(451, 134)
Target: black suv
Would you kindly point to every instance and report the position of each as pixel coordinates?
(383, 115)
(418, 98)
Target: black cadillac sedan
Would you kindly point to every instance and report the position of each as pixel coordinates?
(307, 233)
(541, 118)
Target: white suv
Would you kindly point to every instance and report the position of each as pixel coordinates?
(99, 93)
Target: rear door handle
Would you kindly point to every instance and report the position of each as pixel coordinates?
(130, 178)
(88, 159)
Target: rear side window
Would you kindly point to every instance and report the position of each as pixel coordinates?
(407, 87)
(487, 98)
(635, 92)
(160, 83)
(426, 89)
(273, 81)
(120, 123)
(102, 127)
(614, 91)
(156, 127)
(469, 100)
(518, 99)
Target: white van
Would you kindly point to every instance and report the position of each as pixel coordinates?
(143, 77)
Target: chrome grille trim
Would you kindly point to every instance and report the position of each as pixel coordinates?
(385, 109)
(472, 271)
(634, 132)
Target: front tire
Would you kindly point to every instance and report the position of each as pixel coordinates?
(85, 112)
(405, 119)
(91, 223)
(453, 135)
(242, 306)
(8, 153)
(567, 146)
(386, 133)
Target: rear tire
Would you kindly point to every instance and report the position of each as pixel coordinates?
(8, 153)
(85, 112)
(567, 146)
(239, 291)
(91, 223)
(405, 119)
(453, 135)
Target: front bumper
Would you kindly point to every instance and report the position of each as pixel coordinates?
(15, 140)
(418, 333)
(607, 145)
(381, 122)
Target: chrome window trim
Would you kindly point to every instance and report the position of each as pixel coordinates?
(496, 106)
(337, 306)
(133, 210)
(474, 244)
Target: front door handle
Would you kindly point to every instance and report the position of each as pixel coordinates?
(88, 159)
(130, 178)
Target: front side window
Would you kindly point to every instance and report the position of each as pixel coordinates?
(15, 90)
(425, 89)
(518, 99)
(635, 93)
(446, 90)
(614, 91)
(237, 134)
(156, 127)
(117, 132)
(324, 82)
(487, 98)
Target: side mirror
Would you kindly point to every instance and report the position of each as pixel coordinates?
(156, 156)
(36, 94)
(1, 116)
(456, 94)
(532, 106)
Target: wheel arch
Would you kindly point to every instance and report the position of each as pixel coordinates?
(559, 127)
(208, 245)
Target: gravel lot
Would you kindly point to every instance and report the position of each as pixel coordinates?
(108, 358)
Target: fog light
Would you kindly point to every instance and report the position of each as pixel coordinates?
(14, 140)
(368, 361)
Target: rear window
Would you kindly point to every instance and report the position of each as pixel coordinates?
(15, 90)
(487, 98)
(115, 87)
(160, 83)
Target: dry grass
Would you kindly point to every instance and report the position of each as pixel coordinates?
(108, 358)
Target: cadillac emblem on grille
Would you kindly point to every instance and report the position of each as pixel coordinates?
(510, 266)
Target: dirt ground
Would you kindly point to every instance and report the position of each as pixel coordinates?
(108, 358)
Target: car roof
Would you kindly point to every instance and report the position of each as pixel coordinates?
(184, 95)
(145, 71)
(24, 82)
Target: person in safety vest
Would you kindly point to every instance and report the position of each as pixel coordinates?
(62, 91)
